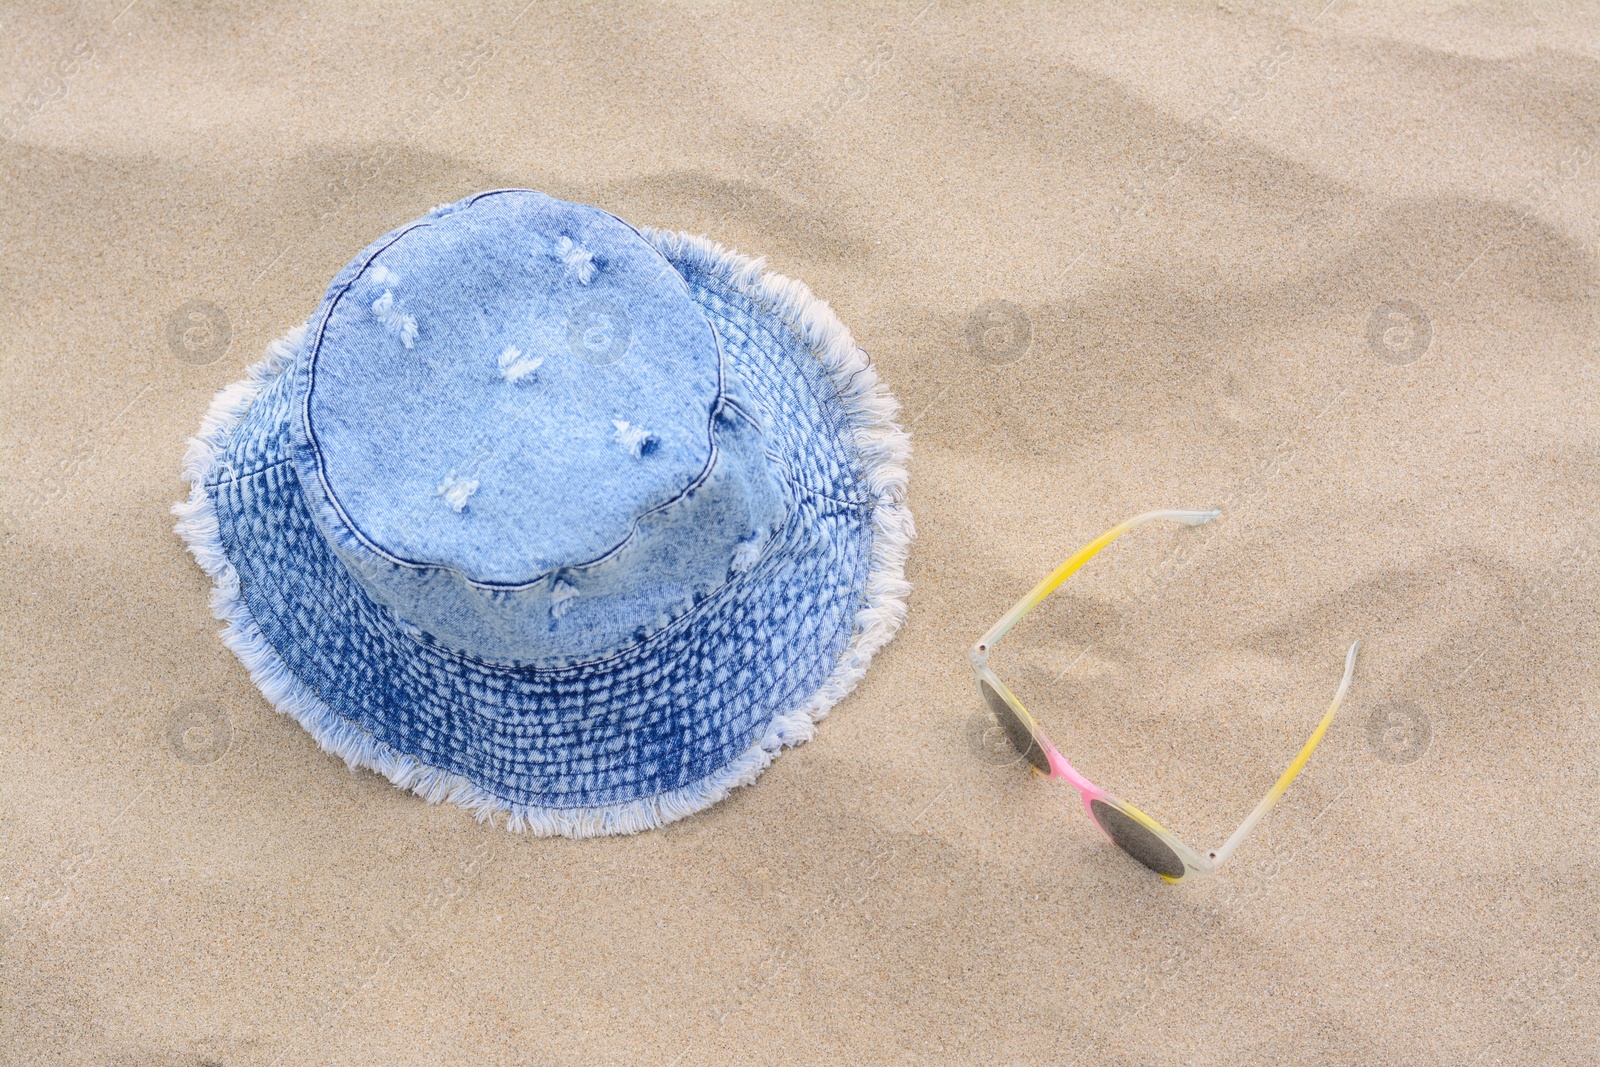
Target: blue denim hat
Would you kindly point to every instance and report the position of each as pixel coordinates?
(546, 515)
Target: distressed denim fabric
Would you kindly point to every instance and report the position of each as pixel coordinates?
(545, 510)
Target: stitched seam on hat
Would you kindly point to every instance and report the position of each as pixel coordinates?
(593, 667)
(235, 476)
(304, 405)
(782, 462)
(793, 478)
(788, 472)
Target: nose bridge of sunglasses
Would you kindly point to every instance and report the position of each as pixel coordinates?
(1086, 789)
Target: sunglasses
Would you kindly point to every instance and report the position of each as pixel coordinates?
(1124, 825)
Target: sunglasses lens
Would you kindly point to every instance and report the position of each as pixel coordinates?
(1020, 736)
(1134, 838)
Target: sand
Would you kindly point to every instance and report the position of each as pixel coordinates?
(1331, 269)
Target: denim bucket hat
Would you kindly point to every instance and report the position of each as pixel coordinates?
(547, 515)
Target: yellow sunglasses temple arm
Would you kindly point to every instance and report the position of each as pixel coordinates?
(1220, 856)
(1076, 560)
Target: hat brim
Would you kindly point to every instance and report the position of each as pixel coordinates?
(649, 734)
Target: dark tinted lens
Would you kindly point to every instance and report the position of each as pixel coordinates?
(1136, 840)
(1016, 733)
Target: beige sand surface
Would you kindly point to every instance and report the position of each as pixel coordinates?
(1194, 214)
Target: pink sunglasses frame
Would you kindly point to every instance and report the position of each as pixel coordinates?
(1194, 862)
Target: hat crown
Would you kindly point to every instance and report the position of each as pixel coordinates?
(517, 431)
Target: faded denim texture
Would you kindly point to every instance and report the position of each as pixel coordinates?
(545, 511)
(494, 502)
